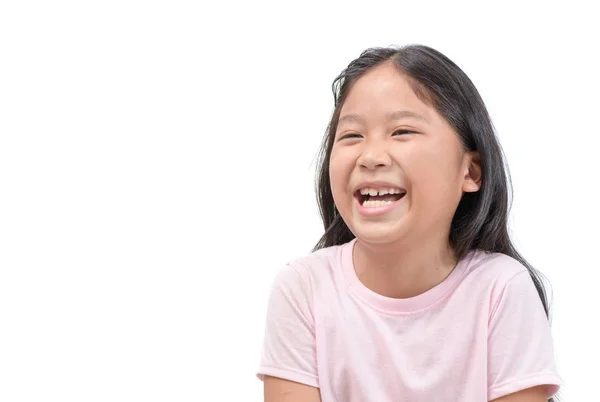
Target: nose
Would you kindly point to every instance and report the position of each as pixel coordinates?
(374, 154)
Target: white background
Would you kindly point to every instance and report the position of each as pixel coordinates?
(156, 170)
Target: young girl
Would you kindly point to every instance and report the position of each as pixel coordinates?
(415, 292)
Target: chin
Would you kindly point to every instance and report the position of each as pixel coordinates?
(378, 233)
(380, 229)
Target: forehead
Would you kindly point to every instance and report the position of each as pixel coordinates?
(380, 93)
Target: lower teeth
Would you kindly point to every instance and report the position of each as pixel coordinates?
(375, 204)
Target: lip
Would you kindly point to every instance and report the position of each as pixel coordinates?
(377, 184)
(373, 211)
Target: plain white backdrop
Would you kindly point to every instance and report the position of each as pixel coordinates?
(156, 170)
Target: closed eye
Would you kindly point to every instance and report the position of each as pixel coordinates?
(351, 135)
(355, 135)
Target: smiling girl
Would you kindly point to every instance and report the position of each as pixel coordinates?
(415, 291)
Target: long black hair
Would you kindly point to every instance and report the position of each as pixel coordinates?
(481, 218)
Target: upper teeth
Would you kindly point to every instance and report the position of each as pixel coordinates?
(380, 191)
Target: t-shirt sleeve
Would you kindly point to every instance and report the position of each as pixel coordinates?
(289, 350)
(520, 347)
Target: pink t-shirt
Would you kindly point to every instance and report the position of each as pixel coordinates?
(480, 334)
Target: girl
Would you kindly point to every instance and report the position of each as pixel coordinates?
(415, 291)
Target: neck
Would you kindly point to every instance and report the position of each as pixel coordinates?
(403, 269)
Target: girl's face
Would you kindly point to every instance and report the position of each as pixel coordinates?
(397, 167)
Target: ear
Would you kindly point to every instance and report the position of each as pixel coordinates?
(472, 172)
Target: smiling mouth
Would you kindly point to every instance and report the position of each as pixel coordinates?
(378, 198)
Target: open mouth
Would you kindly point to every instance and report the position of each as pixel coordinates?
(378, 197)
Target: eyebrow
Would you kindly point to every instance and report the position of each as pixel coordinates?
(390, 116)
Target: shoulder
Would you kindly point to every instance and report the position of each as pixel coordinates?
(305, 271)
(493, 268)
(317, 263)
(491, 274)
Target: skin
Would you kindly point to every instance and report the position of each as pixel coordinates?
(280, 390)
(535, 394)
(407, 249)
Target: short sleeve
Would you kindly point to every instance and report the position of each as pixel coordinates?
(520, 347)
(289, 350)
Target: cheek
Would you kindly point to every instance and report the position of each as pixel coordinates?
(340, 168)
(435, 174)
